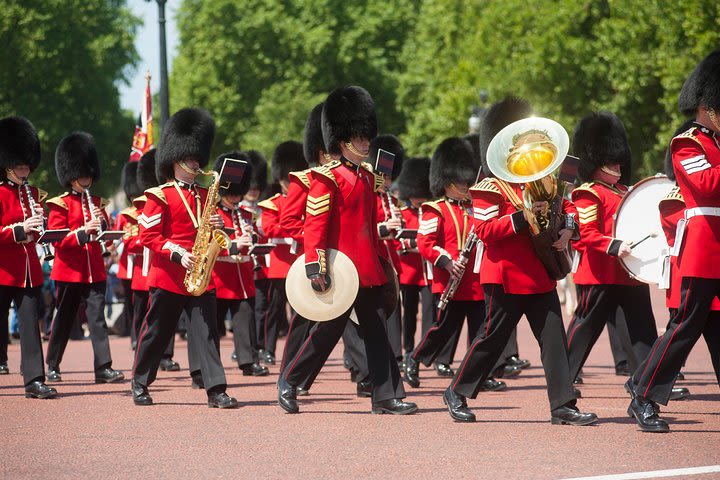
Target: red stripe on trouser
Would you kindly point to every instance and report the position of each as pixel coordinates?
(576, 325)
(436, 326)
(475, 344)
(287, 337)
(143, 331)
(647, 389)
(299, 354)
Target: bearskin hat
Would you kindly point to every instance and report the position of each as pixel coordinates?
(702, 86)
(414, 179)
(287, 157)
(235, 188)
(669, 170)
(258, 176)
(474, 140)
(348, 112)
(128, 179)
(600, 139)
(19, 144)
(497, 117)
(76, 157)
(189, 133)
(313, 138)
(391, 144)
(146, 176)
(451, 162)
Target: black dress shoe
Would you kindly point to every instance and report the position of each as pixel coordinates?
(412, 372)
(287, 396)
(267, 358)
(394, 406)
(680, 376)
(492, 385)
(254, 370)
(140, 394)
(622, 369)
(679, 393)
(38, 389)
(578, 380)
(515, 361)
(510, 371)
(108, 375)
(571, 416)
(169, 365)
(444, 370)
(457, 406)
(234, 357)
(647, 415)
(53, 376)
(197, 382)
(364, 389)
(4, 370)
(302, 392)
(221, 400)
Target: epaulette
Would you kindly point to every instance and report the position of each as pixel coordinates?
(129, 212)
(268, 203)
(58, 201)
(302, 175)
(367, 166)
(158, 193)
(689, 133)
(587, 187)
(42, 194)
(139, 200)
(674, 194)
(487, 185)
(434, 205)
(326, 170)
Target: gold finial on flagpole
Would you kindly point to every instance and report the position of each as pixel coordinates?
(148, 76)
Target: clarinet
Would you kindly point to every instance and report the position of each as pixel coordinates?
(47, 252)
(103, 247)
(463, 258)
(244, 225)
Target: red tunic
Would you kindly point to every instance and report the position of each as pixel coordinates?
(126, 221)
(414, 267)
(77, 259)
(341, 213)
(19, 254)
(508, 258)
(292, 216)
(233, 271)
(168, 227)
(141, 264)
(387, 245)
(281, 257)
(442, 232)
(696, 161)
(596, 204)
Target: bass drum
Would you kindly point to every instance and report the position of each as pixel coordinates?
(638, 217)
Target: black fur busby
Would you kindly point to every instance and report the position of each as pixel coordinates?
(76, 157)
(702, 86)
(146, 172)
(258, 178)
(189, 134)
(451, 162)
(128, 179)
(235, 188)
(498, 116)
(19, 144)
(348, 112)
(600, 139)
(474, 140)
(313, 143)
(669, 171)
(414, 179)
(391, 144)
(287, 157)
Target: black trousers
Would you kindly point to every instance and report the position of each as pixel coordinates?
(242, 317)
(141, 303)
(123, 325)
(298, 330)
(600, 303)
(26, 304)
(159, 326)
(276, 314)
(355, 352)
(503, 311)
(262, 295)
(448, 327)
(69, 296)
(411, 296)
(393, 325)
(384, 372)
(655, 376)
(616, 329)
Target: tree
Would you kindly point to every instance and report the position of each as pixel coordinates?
(60, 63)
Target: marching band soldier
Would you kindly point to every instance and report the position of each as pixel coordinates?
(601, 144)
(341, 214)
(233, 273)
(168, 227)
(696, 163)
(21, 274)
(444, 228)
(287, 157)
(78, 268)
(515, 283)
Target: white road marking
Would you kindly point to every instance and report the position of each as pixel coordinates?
(677, 472)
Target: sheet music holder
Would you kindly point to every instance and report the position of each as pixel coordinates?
(406, 233)
(52, 236)
(110, 235)
(384, 162)
(261, 249)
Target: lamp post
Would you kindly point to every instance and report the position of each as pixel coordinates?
(164, 94)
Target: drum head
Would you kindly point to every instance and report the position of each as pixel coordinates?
(637, 217)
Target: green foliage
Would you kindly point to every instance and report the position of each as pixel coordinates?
(60, 62)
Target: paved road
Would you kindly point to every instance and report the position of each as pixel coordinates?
(94, 430)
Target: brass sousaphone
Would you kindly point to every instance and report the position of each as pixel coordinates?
(527, 152)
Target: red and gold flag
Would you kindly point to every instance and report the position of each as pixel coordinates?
(143, 137)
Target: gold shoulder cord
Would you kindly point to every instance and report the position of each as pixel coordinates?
(187, 206)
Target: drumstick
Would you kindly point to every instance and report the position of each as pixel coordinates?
(649, 235)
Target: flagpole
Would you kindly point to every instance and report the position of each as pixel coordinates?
(164, 93)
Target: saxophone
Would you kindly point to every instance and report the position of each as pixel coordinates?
(208, 243)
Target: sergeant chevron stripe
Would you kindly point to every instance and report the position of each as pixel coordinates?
(428, 226)
(486, 214)
(587, 214)
(318, 205)
(695, 164)
(149, 222)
